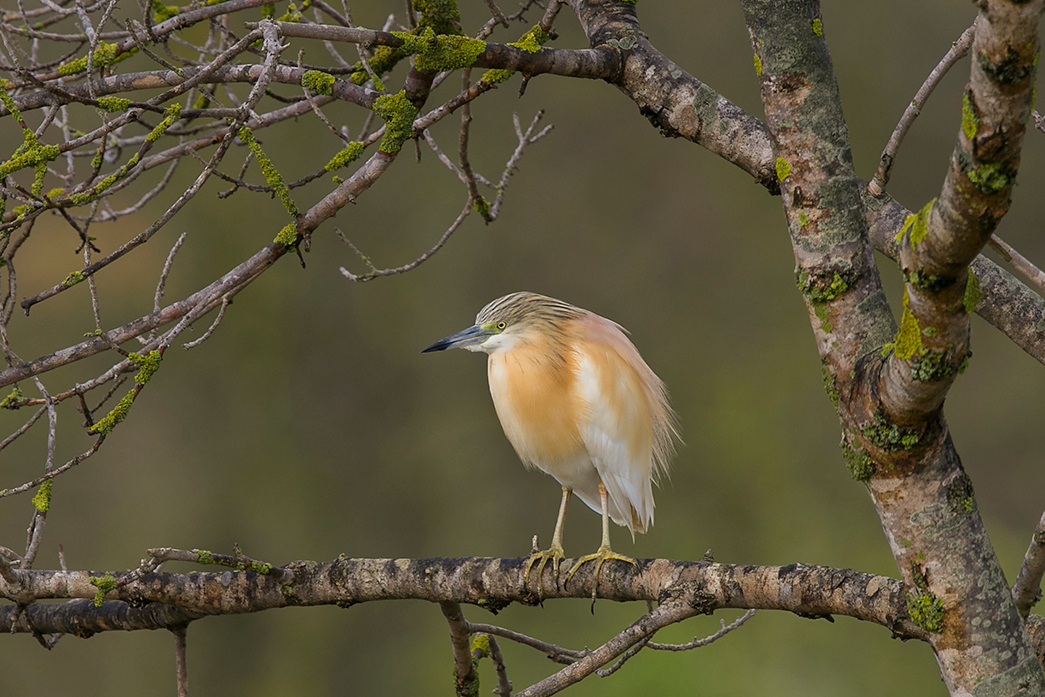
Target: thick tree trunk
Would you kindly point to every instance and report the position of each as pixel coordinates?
(891, 389)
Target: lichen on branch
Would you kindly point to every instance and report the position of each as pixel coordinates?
(530, 42)
(398, 113)
(272, 175)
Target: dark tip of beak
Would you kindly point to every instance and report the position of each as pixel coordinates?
(440, 345)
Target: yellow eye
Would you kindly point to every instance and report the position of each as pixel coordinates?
(501, 326)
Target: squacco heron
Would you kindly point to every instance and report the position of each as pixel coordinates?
(576, 401)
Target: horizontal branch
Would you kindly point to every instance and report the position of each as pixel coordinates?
(807, 591)
(162, 30)
(161, 79)
(83, 619)
(594, 64)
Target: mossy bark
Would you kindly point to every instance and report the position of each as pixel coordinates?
(161, 599)
(680, 105)
(890, 409)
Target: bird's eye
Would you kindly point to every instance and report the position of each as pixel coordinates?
(501, 326)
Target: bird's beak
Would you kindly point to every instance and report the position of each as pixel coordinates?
(466, 337)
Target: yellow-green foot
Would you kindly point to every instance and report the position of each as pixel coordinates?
(600, 557)
(555, 554)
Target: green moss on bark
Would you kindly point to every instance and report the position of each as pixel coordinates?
(399, 114)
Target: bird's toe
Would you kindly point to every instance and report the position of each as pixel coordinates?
(554, 554)
(600, 557)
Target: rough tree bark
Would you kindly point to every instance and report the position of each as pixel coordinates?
(890, 388)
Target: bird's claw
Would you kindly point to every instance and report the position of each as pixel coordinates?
(555, 554)
(600, 557)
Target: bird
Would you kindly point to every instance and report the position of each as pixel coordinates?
(578, 402)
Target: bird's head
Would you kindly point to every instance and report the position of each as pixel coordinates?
(505, 321)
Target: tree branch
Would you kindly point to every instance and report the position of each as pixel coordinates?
(1028, 270)
(1026, 591)
(704, 641)
(958, 49)
(683, 106)
(894, 433)
(554, 652)
(941, 241)
(504, 686)
(836, 271)
(180, 662)
(492, 583)
(157, 79)
(592, 64)
(83, 619)
(668, 612)
(467, 682)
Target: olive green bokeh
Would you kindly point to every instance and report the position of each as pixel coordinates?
(310, 426)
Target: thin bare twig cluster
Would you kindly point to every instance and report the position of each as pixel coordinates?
(604, 660)
(94, 152)
(86, 149)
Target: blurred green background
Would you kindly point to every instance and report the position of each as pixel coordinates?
(309, 425)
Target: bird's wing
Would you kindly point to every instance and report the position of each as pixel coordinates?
(617, 431)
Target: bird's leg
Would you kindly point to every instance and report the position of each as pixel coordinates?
(555, 553)
(604, 552)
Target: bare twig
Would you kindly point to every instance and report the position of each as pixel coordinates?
(8, 572)
(504, 685)
(624, 658)
(167, 264)
(180, 663)
(1034, 275)
(524, 138)
(496, 12)
(25, 427)
(92, 286)
(233, 561)
(464, 672)
(1039, 120)
(28, 486)
(627, 655)
(667, 613)
(213, 325)
(477, 202)
(1026, 591)
(554, 652)
(36, 526)
(376, 272)
(111, 214)
(958, 49)
(549, 14)
(697, 643)
(427, 135)
(11, 555)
